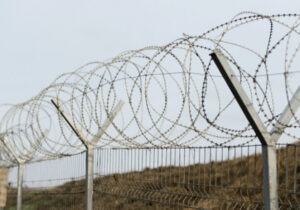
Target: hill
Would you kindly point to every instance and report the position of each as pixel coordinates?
(234, 183)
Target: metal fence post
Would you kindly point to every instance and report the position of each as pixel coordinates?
(270, 176)
(269, 148)
(21, 159)
(20, 185)
(89, 178)
(89, 145)
(268, 140)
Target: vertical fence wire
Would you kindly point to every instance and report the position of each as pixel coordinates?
(160, 178)
(178, 178)
(50, 184)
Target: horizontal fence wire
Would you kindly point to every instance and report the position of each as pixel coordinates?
(51, 184)
(179, 178)
(288, 175)
(221, 177)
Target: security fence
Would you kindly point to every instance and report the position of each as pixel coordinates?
(225, 177)
(166, 126)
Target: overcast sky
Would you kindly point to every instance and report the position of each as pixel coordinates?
(42, 39)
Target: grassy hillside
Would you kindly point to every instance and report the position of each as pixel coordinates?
(229, 184)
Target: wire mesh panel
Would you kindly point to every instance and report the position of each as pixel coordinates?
(289, 176)
(179, 178)
(160, 178)
(51, 184)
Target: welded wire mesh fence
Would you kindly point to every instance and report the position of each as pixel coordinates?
(171, 98)
(289, 176)
(178, 178)
(160, 178)
(51, 184)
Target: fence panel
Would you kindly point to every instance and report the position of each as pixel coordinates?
(51, 184)
(289, 176)
(179, 178)
(160, 178)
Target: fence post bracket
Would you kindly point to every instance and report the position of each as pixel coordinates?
(268, 147)
(89, 145)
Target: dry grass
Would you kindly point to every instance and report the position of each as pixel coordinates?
(227, 184)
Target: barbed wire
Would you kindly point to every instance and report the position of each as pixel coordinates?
(173, 94)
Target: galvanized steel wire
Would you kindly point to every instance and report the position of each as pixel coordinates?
(173, 95)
